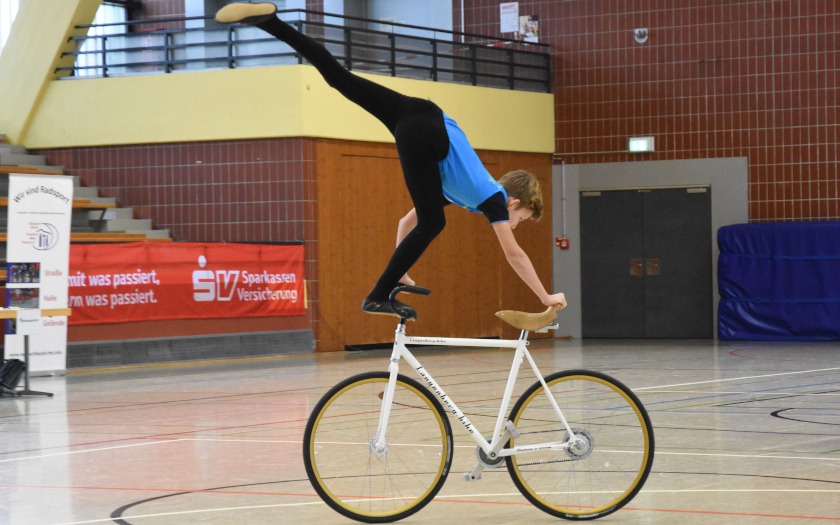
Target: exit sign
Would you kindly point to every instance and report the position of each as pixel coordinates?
(640, 144)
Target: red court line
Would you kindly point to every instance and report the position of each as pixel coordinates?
(734, 353)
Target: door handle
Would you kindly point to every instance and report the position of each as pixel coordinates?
(636, 267)
(653, 267)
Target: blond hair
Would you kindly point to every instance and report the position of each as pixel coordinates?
(523, 185)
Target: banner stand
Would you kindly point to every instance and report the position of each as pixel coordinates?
(26, 391)
(40, 209)
(25, 317)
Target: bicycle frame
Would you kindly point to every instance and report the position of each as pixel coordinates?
(492, 447)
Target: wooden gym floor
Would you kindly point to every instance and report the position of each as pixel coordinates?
(746, 433)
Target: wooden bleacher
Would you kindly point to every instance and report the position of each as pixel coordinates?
(78, 204)
(81, 204)
(31, 170)
(94, 237)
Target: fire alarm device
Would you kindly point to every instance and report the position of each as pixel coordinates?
(562, 243)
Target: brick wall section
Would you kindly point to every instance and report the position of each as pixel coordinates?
(227, 191)
(234, 191)
(716, 78)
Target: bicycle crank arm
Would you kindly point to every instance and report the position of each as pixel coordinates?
(475, 474)
(498, 459)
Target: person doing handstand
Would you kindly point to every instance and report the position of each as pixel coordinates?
(438, 164)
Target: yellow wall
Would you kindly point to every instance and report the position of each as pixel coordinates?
(40, 112)
(31, 54)
(279, 101)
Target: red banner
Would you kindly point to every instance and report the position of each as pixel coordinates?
(117, 283)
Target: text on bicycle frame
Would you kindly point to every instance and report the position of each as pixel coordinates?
(445, 400)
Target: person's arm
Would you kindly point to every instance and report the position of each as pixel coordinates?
(521, 264)
(405, 226)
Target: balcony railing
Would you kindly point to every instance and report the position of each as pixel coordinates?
(400, 50)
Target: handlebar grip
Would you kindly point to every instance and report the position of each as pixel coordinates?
(416, 289)
(409, 289)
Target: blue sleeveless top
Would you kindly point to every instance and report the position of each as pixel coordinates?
(466, 182)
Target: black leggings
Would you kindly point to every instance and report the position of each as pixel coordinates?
(420, 134)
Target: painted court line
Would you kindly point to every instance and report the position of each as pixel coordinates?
(763, 376)
(473, 499)
(161, 442)
(471, 446)
(773, 393)
(90, 450)
(467, 446)
(188, 512)
(746, 456)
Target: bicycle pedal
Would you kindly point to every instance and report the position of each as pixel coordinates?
(469, 476)
(475, 474)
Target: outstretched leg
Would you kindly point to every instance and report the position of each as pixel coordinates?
(383, 103)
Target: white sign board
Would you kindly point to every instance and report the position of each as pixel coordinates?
(509, 17)
(37, 254)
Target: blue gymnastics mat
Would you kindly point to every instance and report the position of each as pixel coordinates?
(779, 281)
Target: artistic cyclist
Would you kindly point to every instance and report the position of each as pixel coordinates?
(438, 163)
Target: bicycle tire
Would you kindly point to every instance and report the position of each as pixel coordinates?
(349, 476)
(611, 467)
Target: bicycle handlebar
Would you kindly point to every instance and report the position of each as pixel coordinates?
(409, 289)
(392, 297)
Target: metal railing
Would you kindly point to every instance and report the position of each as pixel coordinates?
(401, 50)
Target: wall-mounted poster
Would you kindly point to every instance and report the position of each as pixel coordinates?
(509, 17)
(529, 28)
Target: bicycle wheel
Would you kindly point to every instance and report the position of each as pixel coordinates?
(614, 457)
(354, 480)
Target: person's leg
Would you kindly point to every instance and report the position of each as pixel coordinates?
(381, 102)
(421, 142)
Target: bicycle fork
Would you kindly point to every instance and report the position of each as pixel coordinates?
(378, 444)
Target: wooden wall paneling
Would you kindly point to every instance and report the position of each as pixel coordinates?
(361, 197)
(534, 237)
(461, 267)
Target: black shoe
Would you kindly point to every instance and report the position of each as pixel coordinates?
(384, 308)
(246, 13)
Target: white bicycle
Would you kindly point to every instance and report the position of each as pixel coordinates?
(378, 446)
